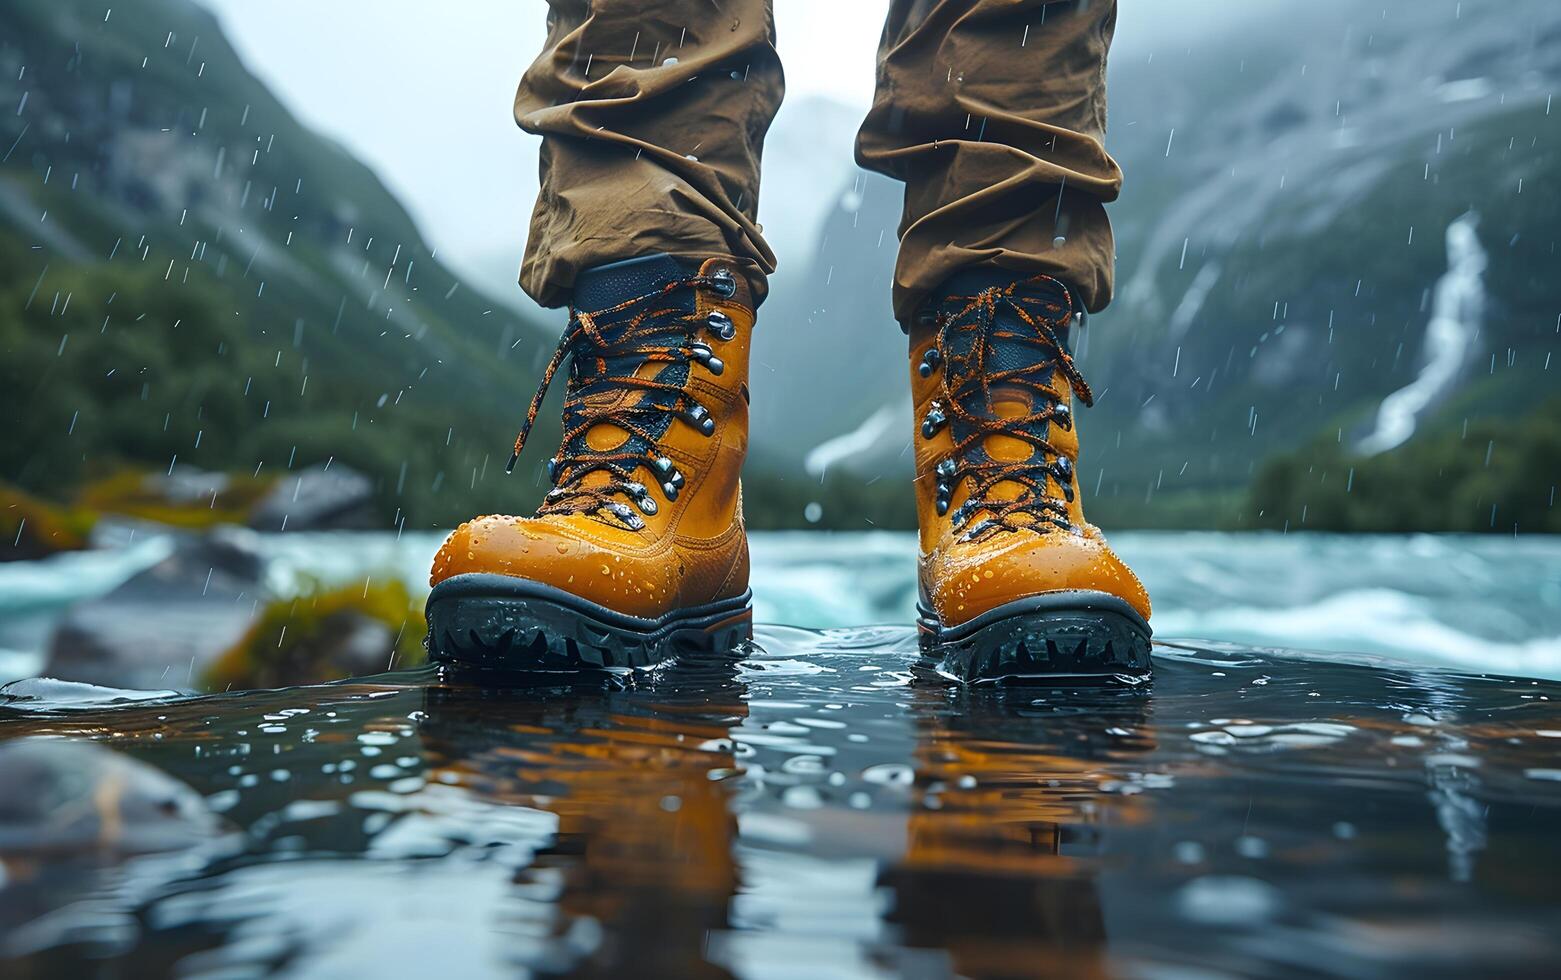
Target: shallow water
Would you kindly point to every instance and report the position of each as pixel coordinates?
(815, 811)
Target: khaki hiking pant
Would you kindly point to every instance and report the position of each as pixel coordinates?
(992, 113)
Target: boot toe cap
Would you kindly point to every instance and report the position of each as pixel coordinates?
(553, 553)
(966, 579)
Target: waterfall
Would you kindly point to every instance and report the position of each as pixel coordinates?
(1456, 311)
(858, 441)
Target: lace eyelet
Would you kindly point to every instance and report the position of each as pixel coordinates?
(704, 355)
(630, 519)
(699, 417)
(640, 496)
(721, 325)
(934, 420)
(724, 283)
(671, 479)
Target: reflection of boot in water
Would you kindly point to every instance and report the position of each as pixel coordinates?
(642, 855)
(1001, 872)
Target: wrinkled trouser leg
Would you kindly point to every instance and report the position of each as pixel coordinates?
(993, 113)
(652, 115)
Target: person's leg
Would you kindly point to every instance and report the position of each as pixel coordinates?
(652, 115)
(993, 113)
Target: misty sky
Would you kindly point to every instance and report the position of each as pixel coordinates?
(422, 92)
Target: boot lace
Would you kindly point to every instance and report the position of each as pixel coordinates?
(966, 339)
(606, 348)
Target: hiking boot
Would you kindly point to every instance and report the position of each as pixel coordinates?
(1013, 581)
(638, 550)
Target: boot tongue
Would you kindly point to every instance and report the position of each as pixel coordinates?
(605, 286)
(602, 288)
(1006, 354)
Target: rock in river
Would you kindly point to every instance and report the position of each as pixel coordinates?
(80, 799)
(164, 625)
(318, 498)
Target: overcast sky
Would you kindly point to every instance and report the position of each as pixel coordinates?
(422, 92)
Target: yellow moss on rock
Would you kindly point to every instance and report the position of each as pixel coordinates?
(137, 493)
(33, 528)
(325, 634)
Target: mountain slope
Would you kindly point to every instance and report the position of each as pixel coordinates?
(190, 272)
(1278, 266)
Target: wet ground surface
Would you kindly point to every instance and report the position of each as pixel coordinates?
(816, 811)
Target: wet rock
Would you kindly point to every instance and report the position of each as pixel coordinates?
(184, 485)
(329, 497)
(353, 644)
(83, 799)
(184, 497)
(164, 625)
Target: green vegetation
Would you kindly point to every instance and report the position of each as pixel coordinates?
(134, 375)
(773, 499)
(324, 635)
(1499, 476)
(1177, 511)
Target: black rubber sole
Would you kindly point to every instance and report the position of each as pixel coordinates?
(1079, 636)
(502, 623)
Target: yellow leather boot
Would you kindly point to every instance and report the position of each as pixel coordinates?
(638, 552)
(1013, 581)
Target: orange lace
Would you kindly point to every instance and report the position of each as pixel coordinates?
(635, 340)
(966, 374)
